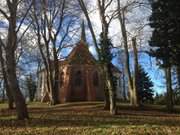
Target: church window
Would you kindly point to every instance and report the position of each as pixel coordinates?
(95, 79)
(78, 79)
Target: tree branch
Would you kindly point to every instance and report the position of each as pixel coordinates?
(4, 14)
(21, 22)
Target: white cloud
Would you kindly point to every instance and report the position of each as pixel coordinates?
(136, 18)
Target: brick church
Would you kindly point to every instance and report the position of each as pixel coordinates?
(80, 76)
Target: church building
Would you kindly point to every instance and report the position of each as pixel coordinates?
(80, 76)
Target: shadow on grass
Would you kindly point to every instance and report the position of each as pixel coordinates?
(84, 120)
(90, 114)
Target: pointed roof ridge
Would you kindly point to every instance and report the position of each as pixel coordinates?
(83, 33)
(80, 45)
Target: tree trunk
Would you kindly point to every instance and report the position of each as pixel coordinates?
(9, 96)
(124, 87)
(3, 92)
(136, 73)
(43, 57)
(106, 92)
(110, 95)
(56, 77)
(107, 102)
(121, 18)
(111, 88)
(14, 87)
(127, 65)
(178, 76)
(107, 61)
(11, 64)
(8, 92)
(169, 99)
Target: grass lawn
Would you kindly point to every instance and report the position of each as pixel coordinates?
(89, 118)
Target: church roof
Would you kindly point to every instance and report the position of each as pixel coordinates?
(81, 55)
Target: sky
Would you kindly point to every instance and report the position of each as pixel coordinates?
(136, 16)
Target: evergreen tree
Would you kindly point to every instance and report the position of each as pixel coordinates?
(145, 87)
(165, 20)
(165, 41)
(105, 50)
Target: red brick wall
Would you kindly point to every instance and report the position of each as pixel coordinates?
(70, 91)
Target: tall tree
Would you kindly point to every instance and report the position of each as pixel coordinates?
(131, 80)
(106, 51)
(14, 26)
(103, 48)
(164, 42)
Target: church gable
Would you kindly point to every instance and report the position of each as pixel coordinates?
(81, 55)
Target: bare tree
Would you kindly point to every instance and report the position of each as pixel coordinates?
(131, 82)
(109, 88)
(52, 23)
(11, 15)
(85, 11)
(105, 48)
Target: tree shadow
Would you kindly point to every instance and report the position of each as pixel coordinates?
(93, 115)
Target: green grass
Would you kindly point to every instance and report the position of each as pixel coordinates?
(3, 105)
(89, 118)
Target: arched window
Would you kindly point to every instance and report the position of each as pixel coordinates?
(61, 79)
(78, 79)
(95, 79)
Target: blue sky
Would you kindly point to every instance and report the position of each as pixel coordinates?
(156, 74)
(149, 65)
(147, 62)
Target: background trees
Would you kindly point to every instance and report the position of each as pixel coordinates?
(165, 23)
(145, 87)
